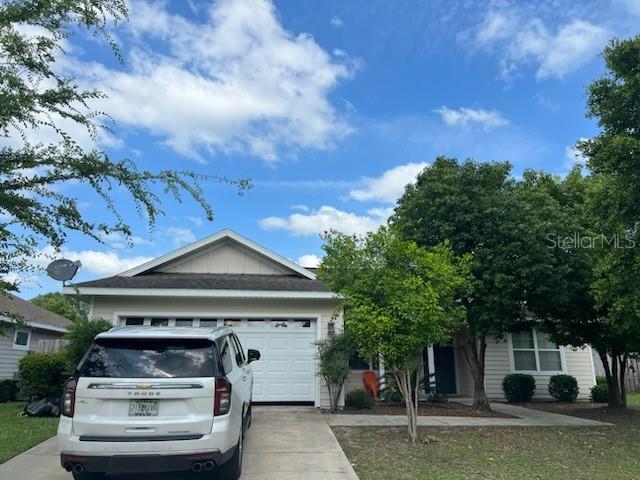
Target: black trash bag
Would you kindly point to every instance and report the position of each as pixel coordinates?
(45, 407)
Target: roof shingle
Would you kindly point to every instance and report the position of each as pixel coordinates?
(211, 281)
(12, 305)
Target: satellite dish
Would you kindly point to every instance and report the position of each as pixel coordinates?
(63, 269)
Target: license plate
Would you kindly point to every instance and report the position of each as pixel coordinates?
(143, 408)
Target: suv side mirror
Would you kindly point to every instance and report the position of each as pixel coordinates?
(253, 355)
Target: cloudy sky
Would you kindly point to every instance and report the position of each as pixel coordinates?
(330, 107)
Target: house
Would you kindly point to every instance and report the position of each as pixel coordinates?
(281, 309)
(275, 306)
(16, 341)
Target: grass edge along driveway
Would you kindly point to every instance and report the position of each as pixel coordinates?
(20, 433)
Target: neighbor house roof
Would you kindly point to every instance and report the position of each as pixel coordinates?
(35, 316)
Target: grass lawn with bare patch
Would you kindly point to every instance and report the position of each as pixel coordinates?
(499, 453)
(18, 433)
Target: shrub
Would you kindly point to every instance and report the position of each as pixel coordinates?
(333, 354)
(600, 393)
(564, 388)
(518, 387)
(359, 399)
(601, 380)
(8, 389)
(43, 374)
(80, 336)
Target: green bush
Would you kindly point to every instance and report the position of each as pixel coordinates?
(601, 380)
(8, 389)
(43, 374)
(80, 336)
(518, 387)
(600, 393)
(564, 388)
(359, 399)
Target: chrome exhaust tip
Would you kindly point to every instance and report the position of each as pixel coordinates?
(196, 467)
(68, 467)
(78, 468)
(208, 466)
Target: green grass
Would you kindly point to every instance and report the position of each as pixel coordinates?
(18, 433)
(633, 399)
(495, 453)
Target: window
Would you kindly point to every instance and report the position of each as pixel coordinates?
(184, 322)
(21, 339)
(133, 321)
(226, 355)
(534, 352)
(149, 358)
(208, 322)
(159, 322)
(240, 359)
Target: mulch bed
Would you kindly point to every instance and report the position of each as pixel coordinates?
(591, 411)
(427, 409)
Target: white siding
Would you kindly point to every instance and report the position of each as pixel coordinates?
(110, 307)
(9, 356)
(224, 257)
(498, 364)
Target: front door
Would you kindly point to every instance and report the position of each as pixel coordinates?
(445, 368)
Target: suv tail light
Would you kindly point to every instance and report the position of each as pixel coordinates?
(69, 398)
(222, 400)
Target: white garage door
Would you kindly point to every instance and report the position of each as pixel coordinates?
(286, 369)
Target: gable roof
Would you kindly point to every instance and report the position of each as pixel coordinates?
(34, 315)
(206, 242)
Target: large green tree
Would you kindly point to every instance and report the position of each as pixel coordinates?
(501, 224)
(71, 308)
(36, 94)
(398, 298)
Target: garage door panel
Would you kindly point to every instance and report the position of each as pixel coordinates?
(286, 369)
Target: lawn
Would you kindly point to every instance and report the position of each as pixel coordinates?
(497, 453)
(633, 399)
(18, 433)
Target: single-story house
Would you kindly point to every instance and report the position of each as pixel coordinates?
(281, 309)
(16, 340)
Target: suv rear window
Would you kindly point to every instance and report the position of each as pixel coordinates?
(150, 358)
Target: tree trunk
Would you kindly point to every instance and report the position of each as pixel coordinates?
(474, 354)
(615, 373)
(403, 379)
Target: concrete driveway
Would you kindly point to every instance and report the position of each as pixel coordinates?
(284, 443)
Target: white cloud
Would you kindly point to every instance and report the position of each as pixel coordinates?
(390, 185)
(179, 236)
(197, 221)
(336, 22)
(235, 82)
(574, 156)
(518, 36)
(464, 117)
(95, 262)
(327, 218)
(118, 241)
(309, 260)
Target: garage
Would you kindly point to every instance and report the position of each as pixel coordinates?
(274, 305)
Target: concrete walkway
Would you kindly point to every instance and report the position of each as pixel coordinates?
(525, 417)
(284, 443)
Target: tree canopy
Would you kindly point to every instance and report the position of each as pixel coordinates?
(37, 95)
(72, 309)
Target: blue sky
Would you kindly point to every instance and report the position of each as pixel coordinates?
(330, 107)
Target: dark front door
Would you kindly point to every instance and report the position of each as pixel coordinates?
(443, 358)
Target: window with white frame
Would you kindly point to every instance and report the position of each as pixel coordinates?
(534, 352)
(21, 339)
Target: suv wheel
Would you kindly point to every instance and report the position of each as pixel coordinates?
(232, 469)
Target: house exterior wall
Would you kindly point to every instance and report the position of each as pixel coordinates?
(223, 258)
(9, 356)
(498, 363)
(110, 308)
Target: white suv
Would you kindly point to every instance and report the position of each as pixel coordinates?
(147, 399)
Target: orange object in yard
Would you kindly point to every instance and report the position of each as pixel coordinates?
(371, 383)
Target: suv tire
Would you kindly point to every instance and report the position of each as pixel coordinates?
(232, 468)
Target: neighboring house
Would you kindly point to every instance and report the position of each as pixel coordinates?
(275, 306)
(16, 341)
(281, 309)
